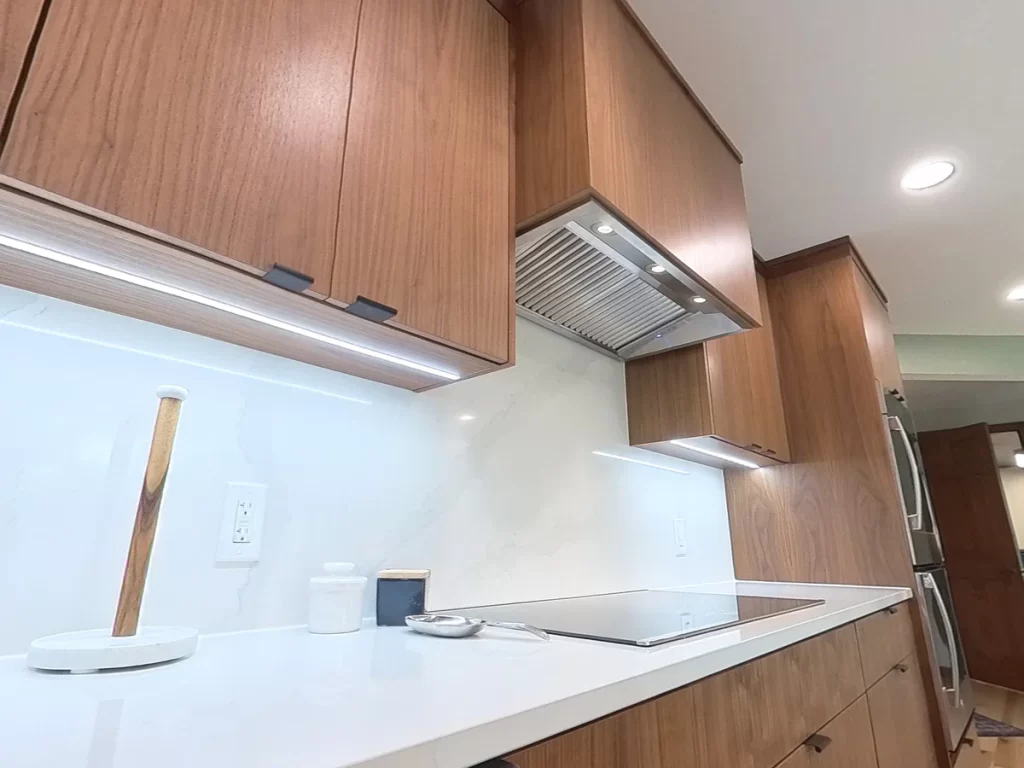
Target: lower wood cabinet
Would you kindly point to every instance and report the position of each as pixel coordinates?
(806, 706)
(899, 716)
(846, 742)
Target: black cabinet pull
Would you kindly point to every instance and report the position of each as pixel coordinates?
(756, 447)
(497, 763)
(769, 451)
(371, 310)
(892, 609)
(901, 668)
(818, 742)
(288, 278)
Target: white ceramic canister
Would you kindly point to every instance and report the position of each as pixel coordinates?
(336, 600)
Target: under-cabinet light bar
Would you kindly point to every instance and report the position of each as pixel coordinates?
(637, 461)
(716, 454)
(170, 290)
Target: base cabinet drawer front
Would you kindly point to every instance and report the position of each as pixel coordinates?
(752, 716)
(846, 742)
(885, 638)
(899, 717)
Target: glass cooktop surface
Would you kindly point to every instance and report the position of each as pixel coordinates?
(644, 618)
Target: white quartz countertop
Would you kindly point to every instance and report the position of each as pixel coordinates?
(379, 698)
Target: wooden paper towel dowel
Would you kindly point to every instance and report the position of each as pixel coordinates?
(126, 622)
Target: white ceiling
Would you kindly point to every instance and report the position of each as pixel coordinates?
(830, 101)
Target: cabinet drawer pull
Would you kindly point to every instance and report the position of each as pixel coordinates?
(757, 447)
(368, 309)
(818, 742)
(901, 668)
(892, 610)
(497, 763)
(288, 278)
(769, 451)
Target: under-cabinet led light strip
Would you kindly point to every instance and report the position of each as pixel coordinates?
(637, 461)
(715, 454)
(170, 290)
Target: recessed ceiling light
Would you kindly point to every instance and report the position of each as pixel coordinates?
(927, 175)
(1018, 458)
(604, 229)
(467, 417)
(1017, 294)
(699, 300)
(655, 269)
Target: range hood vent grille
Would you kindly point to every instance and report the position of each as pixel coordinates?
(564, 279)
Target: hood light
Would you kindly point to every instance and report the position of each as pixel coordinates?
(699, 300)
(604, 229)
(170, 290)
(655, 269)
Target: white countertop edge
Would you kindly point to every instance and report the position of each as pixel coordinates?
(501, 737)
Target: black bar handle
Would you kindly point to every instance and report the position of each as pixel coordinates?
(901, 668)
(892, 610)
(818, 742)
(497, 763)
(288, 278)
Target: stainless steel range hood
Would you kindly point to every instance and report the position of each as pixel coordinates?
(587, 275)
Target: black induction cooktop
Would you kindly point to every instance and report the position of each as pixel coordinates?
(644, 618)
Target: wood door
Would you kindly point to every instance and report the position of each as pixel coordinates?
(899, 717)
(851, 743)
(668, 397)
(968, 501)
(990, 613)
(656, 157)
(219, 124)
(884, 639)
(750, 716)
(425, 224)
(18, 20)
(733, 407)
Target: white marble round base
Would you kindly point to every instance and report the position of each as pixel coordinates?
(93, 650)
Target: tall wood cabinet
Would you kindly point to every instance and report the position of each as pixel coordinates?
(366, 146)
(833, 514)
(723, 395)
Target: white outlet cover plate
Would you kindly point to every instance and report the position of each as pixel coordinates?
(228, 550)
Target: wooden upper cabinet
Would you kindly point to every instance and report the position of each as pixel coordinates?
(220, 125)
(899, 714)
(723, 395)
(18, 19)
(425, 225)
(602, 113)
(878, 329)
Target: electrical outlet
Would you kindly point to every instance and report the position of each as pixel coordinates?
(679, 532)
(241, 524)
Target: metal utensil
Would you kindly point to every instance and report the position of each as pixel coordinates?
(444, 625)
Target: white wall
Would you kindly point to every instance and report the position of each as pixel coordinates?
(1013, 489)
(511, 505)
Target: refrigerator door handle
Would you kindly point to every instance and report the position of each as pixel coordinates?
(929, 583)
(917, 521)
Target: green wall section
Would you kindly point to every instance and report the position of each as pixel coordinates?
(970, 358)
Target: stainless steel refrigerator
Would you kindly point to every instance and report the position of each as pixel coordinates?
(957, 698)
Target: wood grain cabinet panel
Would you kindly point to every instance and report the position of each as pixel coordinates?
(425, 224)
(18, 19)
(850, 742)
(899, 717)
(603, 114)
(878, 329)
(725, 391)
(884, 638)
(219, 124)
(748, 717)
